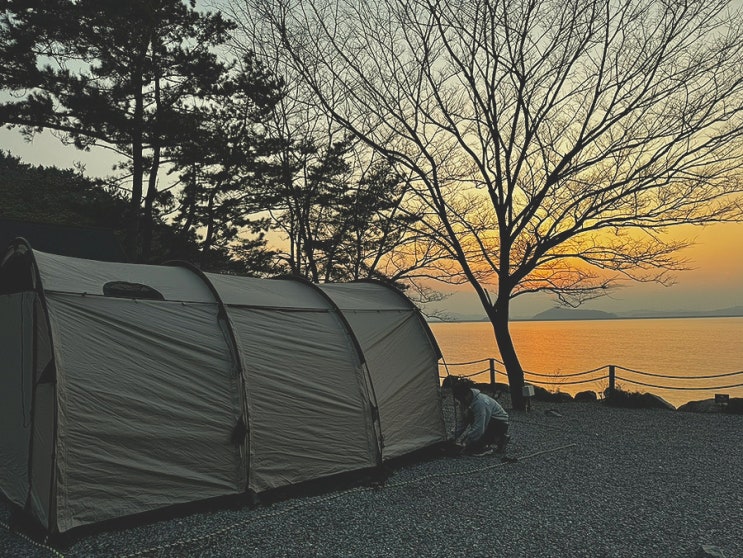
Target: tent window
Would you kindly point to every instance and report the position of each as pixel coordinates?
(122, 289)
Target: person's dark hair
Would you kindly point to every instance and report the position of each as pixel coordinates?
(461, 389)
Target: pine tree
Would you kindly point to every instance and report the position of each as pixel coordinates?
(123, 75)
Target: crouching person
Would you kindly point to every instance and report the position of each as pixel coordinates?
(487, 422)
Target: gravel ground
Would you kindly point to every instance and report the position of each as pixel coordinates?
(595, 481)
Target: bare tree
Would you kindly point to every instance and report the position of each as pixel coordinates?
(553, 143)
(343, 211)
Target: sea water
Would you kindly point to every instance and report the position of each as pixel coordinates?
(640, 349)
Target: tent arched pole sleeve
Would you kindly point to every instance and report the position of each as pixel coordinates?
(376, 421)
(237, 361)
(409, 303)
(16, 245)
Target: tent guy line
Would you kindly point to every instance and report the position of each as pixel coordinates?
(25, 537)
(304, 504)
(327, 498)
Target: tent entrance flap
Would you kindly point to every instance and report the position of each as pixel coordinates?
(16, 356)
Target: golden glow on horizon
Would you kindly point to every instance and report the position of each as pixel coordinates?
(714, 280)
(716, 256)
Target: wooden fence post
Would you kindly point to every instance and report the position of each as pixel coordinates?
(612, 379)
(492, 373)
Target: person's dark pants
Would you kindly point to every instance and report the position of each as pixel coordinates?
(495, 433)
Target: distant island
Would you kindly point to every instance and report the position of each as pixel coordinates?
(558, 314)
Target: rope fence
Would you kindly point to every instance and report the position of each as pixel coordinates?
(606, 373)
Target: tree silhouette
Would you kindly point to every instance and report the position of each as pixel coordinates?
(226, 163)
(121, 75)
(346, 212)
(552, 143)
(57, 196)
(342, 222)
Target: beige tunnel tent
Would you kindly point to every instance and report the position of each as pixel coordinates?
(128, 388)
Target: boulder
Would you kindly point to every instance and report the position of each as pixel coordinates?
(541, 394)
(703, 406)
(635, 400)
(586, 396)
(561, 397)
(735, 406)
(652, 401)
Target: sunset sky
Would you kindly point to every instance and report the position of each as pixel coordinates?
(716, 281)
(717, 257)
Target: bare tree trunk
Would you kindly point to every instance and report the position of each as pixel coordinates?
(147, 218)
(132, 229)
(189, 204)
(498, 314)
(149, 204)
(137, 127)
(206, 246)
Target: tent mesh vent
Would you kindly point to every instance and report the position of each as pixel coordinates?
(123, 289)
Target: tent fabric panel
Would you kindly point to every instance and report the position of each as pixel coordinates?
(16, 356)
(44, 410)
(308, 414)
(74, 275)
(147, 404)
(365, 296)
(42, 456)
(266, 293)
(404, 372)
